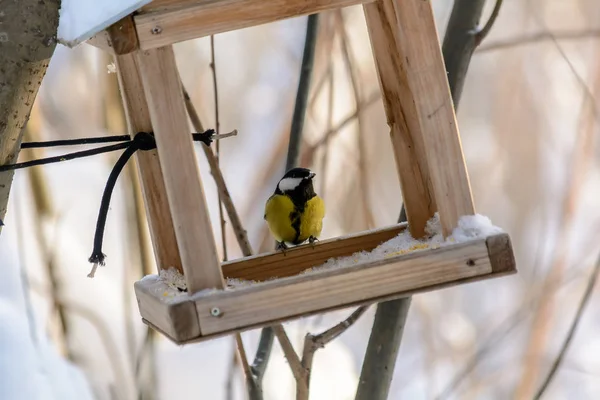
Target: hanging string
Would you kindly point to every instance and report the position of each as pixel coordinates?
(141, 141)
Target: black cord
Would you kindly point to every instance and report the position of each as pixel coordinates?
(75, 142)
(64, 157)
(141, 141)
(204, 137)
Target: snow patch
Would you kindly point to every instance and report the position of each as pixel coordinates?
(470, 227)
(79, 20)
(170, 283)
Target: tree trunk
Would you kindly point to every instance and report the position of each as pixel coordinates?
(27, 41)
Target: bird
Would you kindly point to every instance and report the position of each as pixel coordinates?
(294, 213)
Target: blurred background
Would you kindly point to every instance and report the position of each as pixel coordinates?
(529, 126)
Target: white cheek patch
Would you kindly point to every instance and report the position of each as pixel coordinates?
(288, 184)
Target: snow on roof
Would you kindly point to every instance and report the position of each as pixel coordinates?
(81, 19)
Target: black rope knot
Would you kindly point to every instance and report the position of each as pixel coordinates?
(145, 141)
(141, 141)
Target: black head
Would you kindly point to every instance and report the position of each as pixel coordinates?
(296, 179)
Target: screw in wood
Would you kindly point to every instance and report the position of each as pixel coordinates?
(156, 30)
(215, 312)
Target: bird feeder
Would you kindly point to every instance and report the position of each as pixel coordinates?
(427, 149)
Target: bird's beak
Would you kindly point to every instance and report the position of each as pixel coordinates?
(311, 175)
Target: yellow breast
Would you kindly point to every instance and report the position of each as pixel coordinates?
(281, 216)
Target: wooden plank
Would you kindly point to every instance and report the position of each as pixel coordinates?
(419, 107)
(399, 276)
(263, 267)
(178, 321)
(179, 166)
(102, 41)
(123, 36)
(160, 222)
(119, 38)
(157, 5)
(175, 23)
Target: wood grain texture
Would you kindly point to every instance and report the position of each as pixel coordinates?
(177, 321)
(179, 166)
(123, 36)
(154, 191)
(287, 298)
(173, 23)
(501, 254)
(263, 267)
(420, 111)
(102, 41)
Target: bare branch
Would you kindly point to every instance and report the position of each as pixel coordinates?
(322, 339)
(233, 364)
(236, 224)
(360, 133)
(213, 67)
(266, 339)
(290, 354)
(567, 342)
(483, 32)
(536, 38)
(215, 170)
(308, 154)
(314, 342)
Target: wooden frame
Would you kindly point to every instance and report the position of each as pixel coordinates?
(426, 144)
(204, 316)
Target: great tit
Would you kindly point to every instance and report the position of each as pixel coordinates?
(294, 213)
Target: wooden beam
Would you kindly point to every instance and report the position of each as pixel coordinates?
(276, 301)
(277, 264)
(179, 166)
(420, 112)
(118, 39)
(176, 21)
(160, 222)
(327, 290)
(179, 321)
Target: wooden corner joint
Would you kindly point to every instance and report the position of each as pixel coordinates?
(501, 254)
(123, 36)
(119, 38)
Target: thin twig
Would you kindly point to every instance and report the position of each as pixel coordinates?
(235, 223)
(483, 32)
(536, 38)
(308, 154)
(361, 144)
(581, 159)
(213, 67)
(233, 366)
(495, 338)
(322, 339)
(314, 342)
(266, 340)
(574, 324)
(215, 170)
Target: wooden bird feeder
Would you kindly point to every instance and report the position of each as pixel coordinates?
(427, 149)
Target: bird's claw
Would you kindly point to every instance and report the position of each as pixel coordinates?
(312, 241)
(281, 246)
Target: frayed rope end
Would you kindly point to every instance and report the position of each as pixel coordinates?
(96, 259)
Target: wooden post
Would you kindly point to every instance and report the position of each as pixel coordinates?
(420, 112)
(185, 193)
(151, 177)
